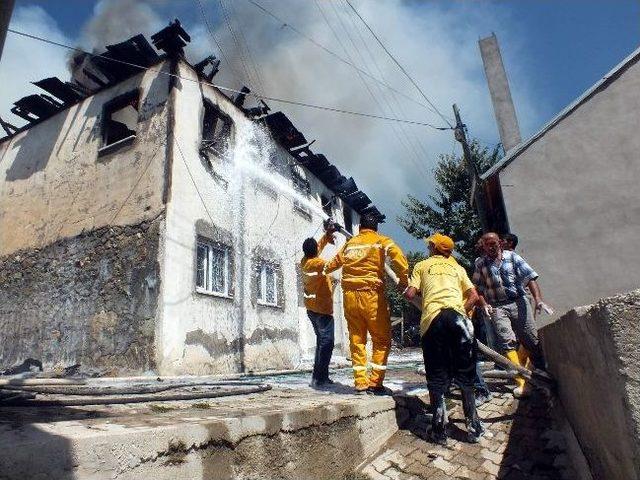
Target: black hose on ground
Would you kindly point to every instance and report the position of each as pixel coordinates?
(118, 390)
(113, 400)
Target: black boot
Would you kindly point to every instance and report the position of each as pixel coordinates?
(475, 430)
(439, 420)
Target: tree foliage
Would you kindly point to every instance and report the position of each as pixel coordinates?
(448, 210)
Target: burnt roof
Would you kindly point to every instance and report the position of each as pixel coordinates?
(125, 59)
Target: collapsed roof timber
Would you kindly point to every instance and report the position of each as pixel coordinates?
(92, 73)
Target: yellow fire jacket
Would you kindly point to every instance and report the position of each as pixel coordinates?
(362, 260)
(316, 284)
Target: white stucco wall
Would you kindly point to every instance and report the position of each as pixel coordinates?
(572, 197)
(200, 333)
(53, 183)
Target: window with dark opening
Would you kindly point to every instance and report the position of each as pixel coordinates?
(348, 218)
(213, 274)
(326, 205)
(216, 131)
(303, 187)
(120, 119)
(267, 283)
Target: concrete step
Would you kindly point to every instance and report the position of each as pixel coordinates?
(283, 433)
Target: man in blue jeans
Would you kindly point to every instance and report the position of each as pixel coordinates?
(318, 299)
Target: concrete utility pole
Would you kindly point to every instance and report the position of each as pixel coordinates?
(6, 8)
(477, 195)
(503, 108)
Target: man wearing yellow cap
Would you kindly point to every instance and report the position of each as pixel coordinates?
(448, 342)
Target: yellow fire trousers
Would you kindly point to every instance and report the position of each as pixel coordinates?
(367, 311)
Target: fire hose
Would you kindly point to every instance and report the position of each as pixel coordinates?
(78, 394)
(536, 377)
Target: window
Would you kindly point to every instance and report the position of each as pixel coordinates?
(120, 119)
(303, 187)
(326, 205)
(216, 132)
(348, 218)
(212, 268)
(267, 283)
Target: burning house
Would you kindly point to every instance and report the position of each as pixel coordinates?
(151, 222)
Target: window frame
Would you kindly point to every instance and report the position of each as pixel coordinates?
(207, 289)
(109, 108)
(261, 284)
(219, 116)
(302, 186)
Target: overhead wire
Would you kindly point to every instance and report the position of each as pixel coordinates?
(382, 93)
(405, 143)
(209, 28)
(293, 28)
(402, 69)
(392, 94)
(233, 90)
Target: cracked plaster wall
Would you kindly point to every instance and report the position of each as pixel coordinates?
(211, 334)
(79, 236)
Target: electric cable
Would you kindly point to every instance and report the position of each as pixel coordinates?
(233, 90)
(332, 53)
(402, 69)
(406, 143)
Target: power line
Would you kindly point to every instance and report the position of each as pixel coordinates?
(284, 23)
(406, 146)
(215, 40)
(402, 69)
(233, 90)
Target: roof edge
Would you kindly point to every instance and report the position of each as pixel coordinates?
(609, 77)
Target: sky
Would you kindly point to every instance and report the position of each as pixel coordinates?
(553, 50)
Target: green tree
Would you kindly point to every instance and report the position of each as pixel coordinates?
(448, 210)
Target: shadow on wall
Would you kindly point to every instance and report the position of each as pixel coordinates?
(35, 147)
(27, 450)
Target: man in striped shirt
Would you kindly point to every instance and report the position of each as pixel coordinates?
(500, 277)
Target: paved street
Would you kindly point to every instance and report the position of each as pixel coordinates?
(524, 445)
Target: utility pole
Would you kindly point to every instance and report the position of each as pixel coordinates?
(6, 7)
(477, 195)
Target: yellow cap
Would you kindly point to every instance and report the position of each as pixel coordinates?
(441, 243)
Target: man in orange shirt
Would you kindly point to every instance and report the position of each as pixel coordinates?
(362, 260)
(318, 300)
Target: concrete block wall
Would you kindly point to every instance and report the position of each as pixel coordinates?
(594, 354)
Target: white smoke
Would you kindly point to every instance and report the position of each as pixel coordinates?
(437, 45)
(436, 42)
(114, 21)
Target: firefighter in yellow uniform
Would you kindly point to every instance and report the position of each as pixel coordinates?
(318, 299)
(362, 260)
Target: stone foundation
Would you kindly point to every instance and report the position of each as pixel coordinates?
(90, 299)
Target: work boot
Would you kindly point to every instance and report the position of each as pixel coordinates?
(474, 428)
(379, 390)
(361, 390)
(482, 398)
(519, 391)
(438, 432)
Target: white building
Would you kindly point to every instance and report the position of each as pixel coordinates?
(150, 222)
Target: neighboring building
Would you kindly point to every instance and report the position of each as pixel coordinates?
(571, 193)
(134, 236)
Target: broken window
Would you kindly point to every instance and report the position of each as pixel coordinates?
(212, 268)
(120, 119)
(348, 217)
(267, 283)
(326, 205)
(303, 187)
(216, 132)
